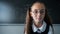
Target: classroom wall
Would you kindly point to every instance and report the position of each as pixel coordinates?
(19, 28)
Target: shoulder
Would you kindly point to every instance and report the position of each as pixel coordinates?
(50, 30)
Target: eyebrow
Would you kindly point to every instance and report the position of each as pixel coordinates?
(39, 9)
(42, 9)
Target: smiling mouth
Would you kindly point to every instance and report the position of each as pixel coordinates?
(39, 18)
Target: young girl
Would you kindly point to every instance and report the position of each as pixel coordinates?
(37, 20)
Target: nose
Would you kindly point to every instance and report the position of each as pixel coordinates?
(39, 14)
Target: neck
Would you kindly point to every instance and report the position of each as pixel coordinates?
(38, 24)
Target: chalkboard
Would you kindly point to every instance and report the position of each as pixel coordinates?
(14, 11)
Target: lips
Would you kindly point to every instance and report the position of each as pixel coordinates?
(38, 18)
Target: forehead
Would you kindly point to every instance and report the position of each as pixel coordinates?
(37, 6)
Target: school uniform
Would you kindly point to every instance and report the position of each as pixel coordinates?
(44, 29)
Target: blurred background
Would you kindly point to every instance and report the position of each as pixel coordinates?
(13, 13)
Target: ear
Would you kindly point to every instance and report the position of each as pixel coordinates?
(30, 13)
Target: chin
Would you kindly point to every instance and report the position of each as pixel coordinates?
(39, 20)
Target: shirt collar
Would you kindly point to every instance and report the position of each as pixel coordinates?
(42, 28)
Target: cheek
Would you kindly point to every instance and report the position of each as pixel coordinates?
(34, 16)
(42, 16)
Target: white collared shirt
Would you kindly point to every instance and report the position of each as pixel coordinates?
(42, 28)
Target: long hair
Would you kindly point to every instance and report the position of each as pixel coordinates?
(29, 20)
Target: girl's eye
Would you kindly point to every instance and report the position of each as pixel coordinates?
(42, 11)
(35, 12)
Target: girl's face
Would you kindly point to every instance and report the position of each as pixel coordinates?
(38, 12)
